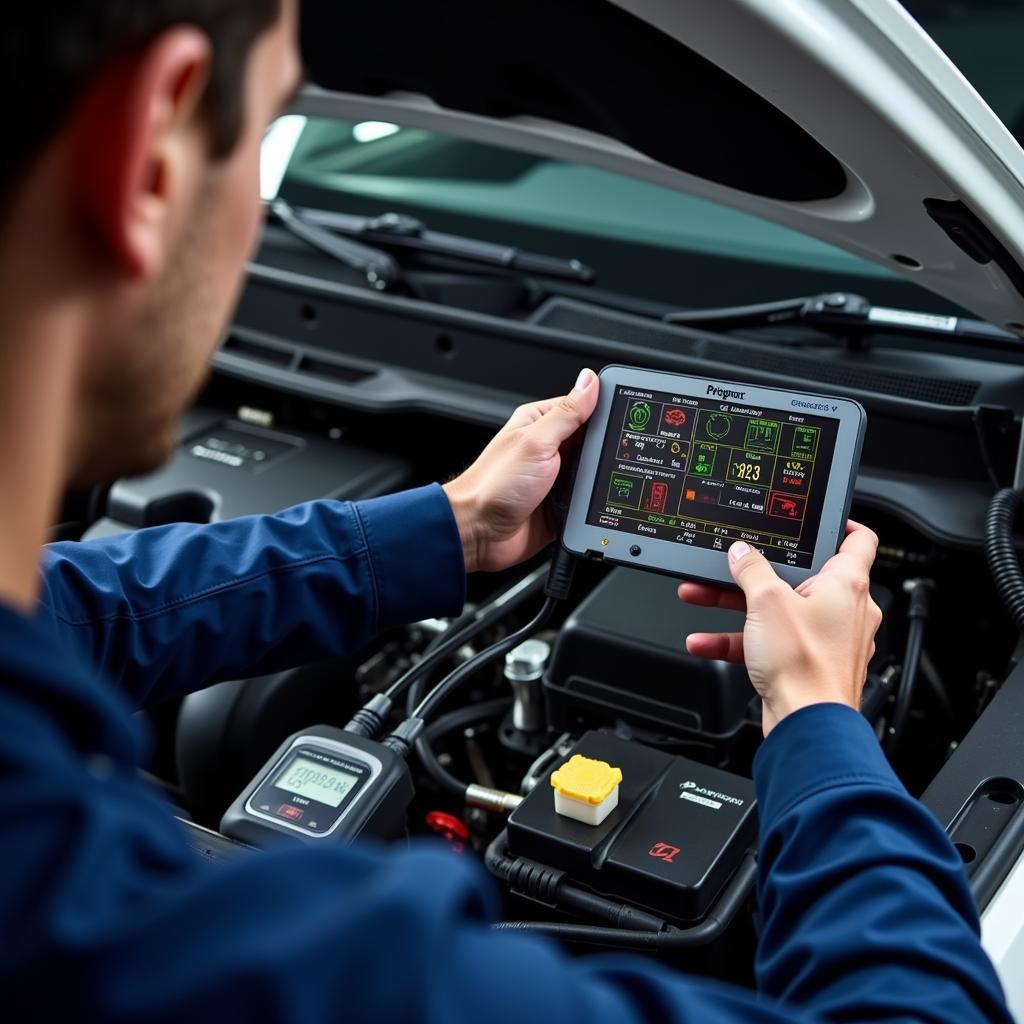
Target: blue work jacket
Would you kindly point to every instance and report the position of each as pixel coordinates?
(107, 915)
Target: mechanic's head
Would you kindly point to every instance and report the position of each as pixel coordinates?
(130, 202)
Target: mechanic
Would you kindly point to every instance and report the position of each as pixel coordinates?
(130, 170)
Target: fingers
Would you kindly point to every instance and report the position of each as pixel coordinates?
(753, 572)
(708, 596)
(716, 646)
(861, 544)
(856, 554)
(563, 417)
(530, 413)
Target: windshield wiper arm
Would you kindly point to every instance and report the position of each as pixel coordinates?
(851, 317)
(380, 269)
(397, 231)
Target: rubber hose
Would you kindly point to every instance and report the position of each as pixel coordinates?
(1001, 553)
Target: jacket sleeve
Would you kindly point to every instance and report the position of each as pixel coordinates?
(866, 908)
(169, 610)
(104, 914)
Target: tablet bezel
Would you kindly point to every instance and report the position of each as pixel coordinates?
(670, 557)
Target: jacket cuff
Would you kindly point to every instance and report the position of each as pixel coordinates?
(816, 748)
(415, 554)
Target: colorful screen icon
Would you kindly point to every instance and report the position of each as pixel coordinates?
(786, 506)
(762, 435)
(718, 425)
(805, 441)
(625, 490)
(639, 415)
(657, 499)
(704, 460)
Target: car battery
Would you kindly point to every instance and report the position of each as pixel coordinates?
(679, 832)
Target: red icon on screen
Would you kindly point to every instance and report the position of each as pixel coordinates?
(675, 417)
(663, 851)
(786, 507)
(658, 498)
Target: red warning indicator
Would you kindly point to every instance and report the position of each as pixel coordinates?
(786, 506)
(675, 418)
(658, 498)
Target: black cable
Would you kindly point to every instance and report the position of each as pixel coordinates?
(467, 627)
(460, 718)
(648, 932)
(1001, 553)
(424, 751)
(467, 669)
(920, 606)
(457, 719)
(369, 719)
(931, 677)
(557, 585)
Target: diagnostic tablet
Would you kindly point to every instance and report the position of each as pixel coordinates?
(675, 469)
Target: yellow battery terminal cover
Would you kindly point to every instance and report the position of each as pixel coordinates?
(585, 779)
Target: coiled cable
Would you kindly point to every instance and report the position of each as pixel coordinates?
(1001, 552)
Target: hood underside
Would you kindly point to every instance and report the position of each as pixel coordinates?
(838, 118)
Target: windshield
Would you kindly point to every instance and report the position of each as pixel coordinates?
(645, 241)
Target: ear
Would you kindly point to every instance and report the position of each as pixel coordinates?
(139, 149)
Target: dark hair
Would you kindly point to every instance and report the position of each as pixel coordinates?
(51, 50)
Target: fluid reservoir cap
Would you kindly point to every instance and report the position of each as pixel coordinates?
(527, 661)
(584, 779)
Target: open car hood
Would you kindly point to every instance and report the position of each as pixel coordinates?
(838, 118)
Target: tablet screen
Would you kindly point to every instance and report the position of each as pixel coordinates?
(708, 472)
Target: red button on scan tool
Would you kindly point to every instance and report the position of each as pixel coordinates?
(289, 811)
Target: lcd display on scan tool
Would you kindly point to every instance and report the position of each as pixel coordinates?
(684, 470)
(675, 469)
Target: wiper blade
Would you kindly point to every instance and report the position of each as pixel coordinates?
(380, 269)
(851, 317)
(397, 231)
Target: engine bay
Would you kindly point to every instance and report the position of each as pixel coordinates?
(670, 872)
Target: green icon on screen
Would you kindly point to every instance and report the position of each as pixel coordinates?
(625, 490)
(805, 441)
(639, 415)
(704, 460)
(762, 435)
(718, 425)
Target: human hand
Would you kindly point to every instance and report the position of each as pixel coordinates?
(499, 501)
(805, 646)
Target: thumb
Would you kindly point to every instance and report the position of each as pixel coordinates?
(751, 570)
(568, 414)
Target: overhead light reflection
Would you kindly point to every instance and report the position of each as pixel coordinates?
(370, 131)
(278, 148)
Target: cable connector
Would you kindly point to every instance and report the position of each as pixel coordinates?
(538, 881)
(560, 576)
(496, 801)
(402, 740)
(920, 592)
(369, 719)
